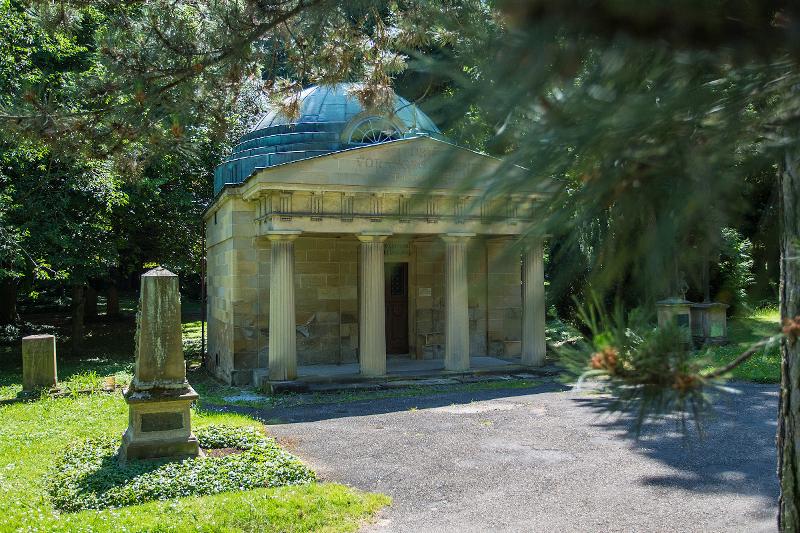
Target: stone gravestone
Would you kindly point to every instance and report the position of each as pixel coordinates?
(709, 323)
(159, 396)
(676, 311)
(38, 362)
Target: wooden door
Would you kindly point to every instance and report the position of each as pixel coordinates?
(396, 308)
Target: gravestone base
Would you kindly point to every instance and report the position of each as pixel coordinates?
(159, 424)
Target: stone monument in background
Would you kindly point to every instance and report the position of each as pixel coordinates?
(38, 362)
(159, 396)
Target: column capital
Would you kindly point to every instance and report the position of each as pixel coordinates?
(456, 237)
(373, 236)
(283, 235)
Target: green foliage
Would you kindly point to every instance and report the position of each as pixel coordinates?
(60, 208)
(161, 223)
(648, 147)
(89, 476)
(55, 205)
(145, 98)
(735, 270)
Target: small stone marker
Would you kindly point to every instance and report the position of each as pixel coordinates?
(38, 362)
(159, 396)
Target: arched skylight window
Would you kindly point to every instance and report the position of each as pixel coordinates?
(374, 130)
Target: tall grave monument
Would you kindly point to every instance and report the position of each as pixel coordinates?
(159, 396)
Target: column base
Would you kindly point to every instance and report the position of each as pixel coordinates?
(372, 376)
(456, 367)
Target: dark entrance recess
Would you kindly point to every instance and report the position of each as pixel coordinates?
(396, 308)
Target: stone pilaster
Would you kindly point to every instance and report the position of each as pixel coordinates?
(533, 305)
(372, 310)
(282, 343)
(456, 337)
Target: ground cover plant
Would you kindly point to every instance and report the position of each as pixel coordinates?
(89, 475)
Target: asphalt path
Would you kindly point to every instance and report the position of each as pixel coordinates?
(543, 459)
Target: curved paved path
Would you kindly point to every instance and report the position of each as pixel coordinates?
(543, 460)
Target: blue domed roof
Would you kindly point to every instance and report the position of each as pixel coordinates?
(330, 119)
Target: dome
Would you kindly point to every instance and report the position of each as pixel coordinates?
(330, 119)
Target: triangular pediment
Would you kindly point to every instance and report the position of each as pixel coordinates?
(416, 163)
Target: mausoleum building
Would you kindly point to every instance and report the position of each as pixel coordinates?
(347, 241)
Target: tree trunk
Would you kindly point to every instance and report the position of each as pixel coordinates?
(90, 307)
(112, 301)
(8, 301)
(78, 304)
(789, 416)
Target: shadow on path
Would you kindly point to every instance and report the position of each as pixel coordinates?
(734, 451)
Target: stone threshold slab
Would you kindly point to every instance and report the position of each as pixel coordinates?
(355, 382)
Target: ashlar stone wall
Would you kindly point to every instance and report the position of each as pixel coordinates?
(504, 294)
(326, 299)
(238, 288)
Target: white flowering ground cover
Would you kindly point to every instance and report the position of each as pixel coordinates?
(88, 476)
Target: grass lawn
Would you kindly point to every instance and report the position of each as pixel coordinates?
(33, 434)
(214, 392)
(763, 367)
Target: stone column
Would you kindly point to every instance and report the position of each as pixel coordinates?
(372, 308)
(456, 331)
(533, 306)
(282, 343)
(38, 362)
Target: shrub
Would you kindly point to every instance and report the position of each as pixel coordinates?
(735, 270)
(89, 476)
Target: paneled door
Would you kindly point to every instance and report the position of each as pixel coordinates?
(396, 308)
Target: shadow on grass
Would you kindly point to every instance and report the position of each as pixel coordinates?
(108, 346)
(735, 452)
(110, 473)
(429, 400)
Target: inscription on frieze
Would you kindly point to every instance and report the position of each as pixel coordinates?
(161, 421)
(431, 166)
